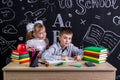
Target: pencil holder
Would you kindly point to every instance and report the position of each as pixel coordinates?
(34, 58)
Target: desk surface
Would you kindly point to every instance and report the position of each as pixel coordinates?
(67, 67)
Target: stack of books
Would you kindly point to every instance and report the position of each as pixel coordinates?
(24, 57)
(15, 56)
(20, 56)
(95, 54)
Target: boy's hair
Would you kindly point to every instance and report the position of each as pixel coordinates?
(37, 28)
(66, 30)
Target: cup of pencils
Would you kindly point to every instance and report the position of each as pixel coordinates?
(34, 58)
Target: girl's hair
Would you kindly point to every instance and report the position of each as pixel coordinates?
(37, 27)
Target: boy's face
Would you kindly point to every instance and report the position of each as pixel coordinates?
(41, 34)
(65, 40)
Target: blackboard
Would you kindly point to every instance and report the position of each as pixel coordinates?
(94, 22)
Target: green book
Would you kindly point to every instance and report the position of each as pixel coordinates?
(95, 61)
(24, 56)
(96, 49)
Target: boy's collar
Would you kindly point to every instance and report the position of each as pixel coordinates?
(61, 47)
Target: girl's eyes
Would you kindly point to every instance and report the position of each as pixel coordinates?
(41, 32)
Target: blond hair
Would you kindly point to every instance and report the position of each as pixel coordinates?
(37, 27)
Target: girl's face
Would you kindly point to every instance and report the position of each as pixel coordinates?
(65, 40)
(41, 34)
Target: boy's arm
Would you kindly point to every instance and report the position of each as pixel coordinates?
(77, 51)
(49, 54)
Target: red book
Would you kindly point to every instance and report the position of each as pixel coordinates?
(95, 55)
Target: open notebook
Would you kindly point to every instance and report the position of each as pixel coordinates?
(58, 61)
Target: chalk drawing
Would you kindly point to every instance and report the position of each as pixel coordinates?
(5, 45)
(20, 38)
(8, 2)
(109, 13)
(70, 15)
(9, 29)
(32, 1)
(6, 14)
(97, 17)
(98, 36)
(50, 4)
(118, 77)
(82, 21)
(118, 57)
(33, 16)
(116, 20)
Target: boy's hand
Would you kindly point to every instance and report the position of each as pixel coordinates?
(78, 58)
(64, 57)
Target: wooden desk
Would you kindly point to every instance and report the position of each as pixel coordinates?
(15, 71)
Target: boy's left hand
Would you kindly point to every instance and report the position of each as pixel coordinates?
(78, 58)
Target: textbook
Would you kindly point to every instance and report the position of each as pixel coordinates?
(95, 55)
(93, 58)
(95, 61)
(98, 50)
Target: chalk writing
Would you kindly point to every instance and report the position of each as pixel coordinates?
(7, 14)
(88, 4)
(9, 29)
(59, 21)
(55, 36)
(65, 4)
(32, 1)
(5, 45)
(98, 36)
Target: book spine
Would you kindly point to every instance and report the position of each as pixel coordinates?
(95, 55)
(95, 52)
(91, 60)
(94, 58)
(96, 49)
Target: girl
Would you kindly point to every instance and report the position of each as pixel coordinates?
(36, 37)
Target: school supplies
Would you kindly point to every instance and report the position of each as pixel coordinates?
(46, 64)
(89, 64)
(78, 66)
(34, 58)
(95, 54)
(60, 64)
(20, 55)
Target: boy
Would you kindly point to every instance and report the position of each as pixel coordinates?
(64, 49)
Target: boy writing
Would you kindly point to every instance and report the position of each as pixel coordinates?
(64, 49)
